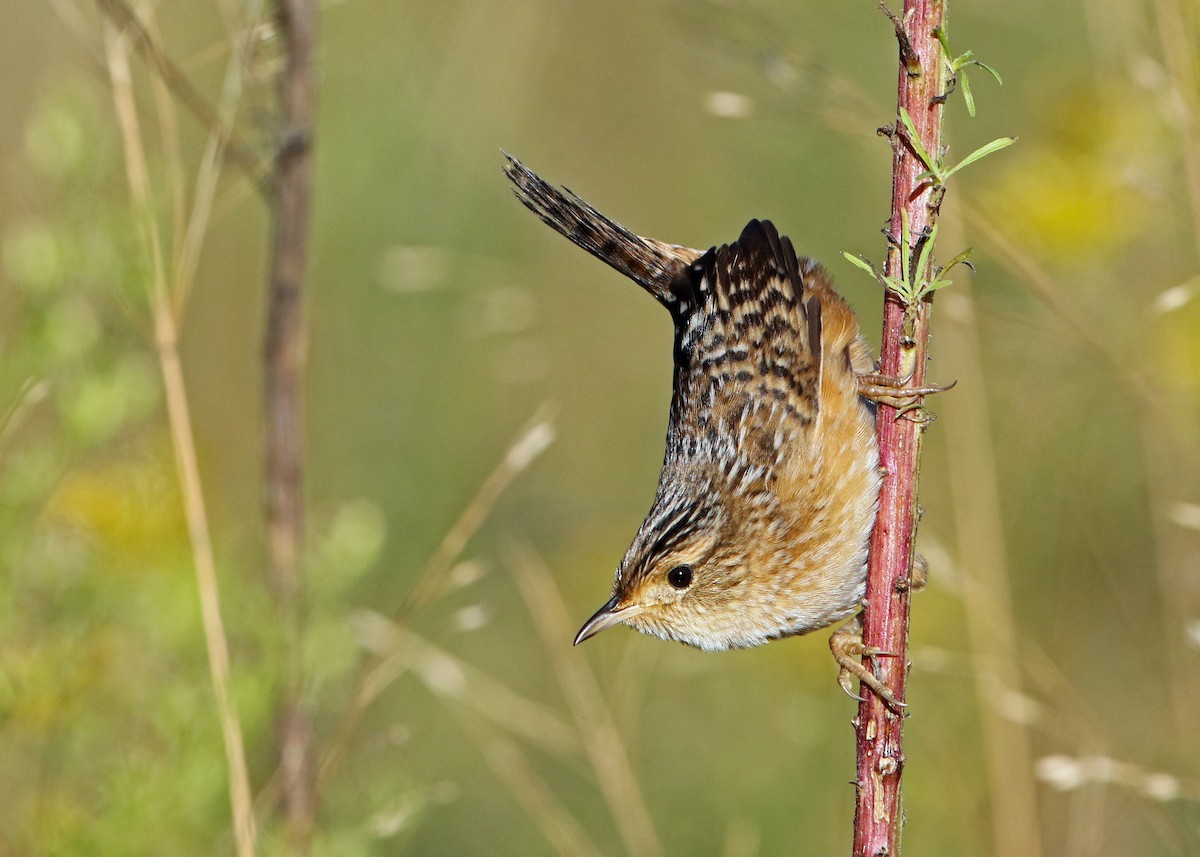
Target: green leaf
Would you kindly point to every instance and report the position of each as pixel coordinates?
(966, 88)
(923, 258)
(989, 70)
(860, 262)
(905, 246)
(957, 260)
(914, 140)
(982, 152)
(937, 284)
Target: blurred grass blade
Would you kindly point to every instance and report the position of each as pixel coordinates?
(533, 440)
(594, 720)
(562, 830)
(451, 678)
(28, 397)
(180, 423)
(559, 827)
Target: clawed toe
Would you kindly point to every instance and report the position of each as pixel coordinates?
(895, 392)
(847, 685)
(847, 647)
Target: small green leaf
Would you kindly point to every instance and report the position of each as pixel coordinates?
(966, 88)
(905, 245)
(940, 35)
(982, 152)
(989, 70)
(914, 140)
(957, 260)
(938, 284)
(860, 262)
(923, 258)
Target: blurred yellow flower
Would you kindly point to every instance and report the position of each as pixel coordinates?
(130, 505)
(1084, 186)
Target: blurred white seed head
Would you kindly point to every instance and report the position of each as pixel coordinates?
(471, 618)
(1068, 773)
(442, 675)
(467, 572)
(1192, 632)
(1018, 708)
(1176, 297)
(1186, 515)
(728, 105)
(532, 444)
(409, 269)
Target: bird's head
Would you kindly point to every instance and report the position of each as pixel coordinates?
(690, 576)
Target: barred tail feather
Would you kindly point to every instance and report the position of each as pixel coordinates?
(653, 265)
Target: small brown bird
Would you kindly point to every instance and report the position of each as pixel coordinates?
(770, 481)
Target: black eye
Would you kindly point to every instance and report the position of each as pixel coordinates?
(680, 576)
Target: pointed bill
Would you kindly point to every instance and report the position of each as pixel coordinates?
(607, 616)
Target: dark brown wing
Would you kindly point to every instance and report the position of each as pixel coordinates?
(748, 333)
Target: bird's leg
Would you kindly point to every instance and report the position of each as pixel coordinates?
(847, 646)
(895, 392)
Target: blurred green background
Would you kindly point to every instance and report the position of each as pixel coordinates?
(1056, 661)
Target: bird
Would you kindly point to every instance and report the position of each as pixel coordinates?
(760, 524)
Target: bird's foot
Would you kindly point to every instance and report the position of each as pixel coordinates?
(895, 392)
(848, 648)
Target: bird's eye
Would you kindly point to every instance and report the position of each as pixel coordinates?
(680, 576)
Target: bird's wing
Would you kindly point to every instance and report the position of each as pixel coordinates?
(755, 329)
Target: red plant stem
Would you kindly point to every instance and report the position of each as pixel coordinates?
(285, 356)
(878, 815)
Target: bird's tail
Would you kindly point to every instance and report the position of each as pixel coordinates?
(653, 265)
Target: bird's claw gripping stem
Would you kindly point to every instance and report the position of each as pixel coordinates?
(848, 648)
(895, 392)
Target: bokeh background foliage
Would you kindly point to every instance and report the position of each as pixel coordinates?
(1056, 651)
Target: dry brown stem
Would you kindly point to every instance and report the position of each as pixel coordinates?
(285, 357)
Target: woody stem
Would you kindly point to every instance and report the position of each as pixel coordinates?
(878, 815)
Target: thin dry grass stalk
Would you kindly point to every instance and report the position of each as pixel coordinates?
(487, 710)
(559, 827)
(1176, 553)
(1177, 32)
(986, 591)
(453, 680)
(124, 18)
(512, 768)
(878, 818)
(531, 442)
(179, 418)
(601, 740)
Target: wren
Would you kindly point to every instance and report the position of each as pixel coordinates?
(770, 481)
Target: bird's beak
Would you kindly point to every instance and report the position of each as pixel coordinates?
(607, 616)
